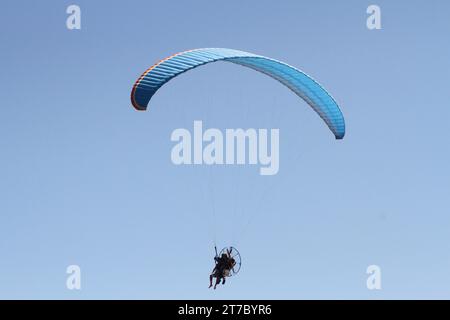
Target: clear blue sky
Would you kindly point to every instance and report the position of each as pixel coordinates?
(87, 180)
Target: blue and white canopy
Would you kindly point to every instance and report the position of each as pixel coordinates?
(299, 82)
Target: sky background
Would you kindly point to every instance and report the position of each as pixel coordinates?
(87, 180)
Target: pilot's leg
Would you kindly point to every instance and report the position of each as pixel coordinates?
(217, 282)
(210, 280)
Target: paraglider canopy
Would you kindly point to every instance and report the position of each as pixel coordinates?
(299, 82)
